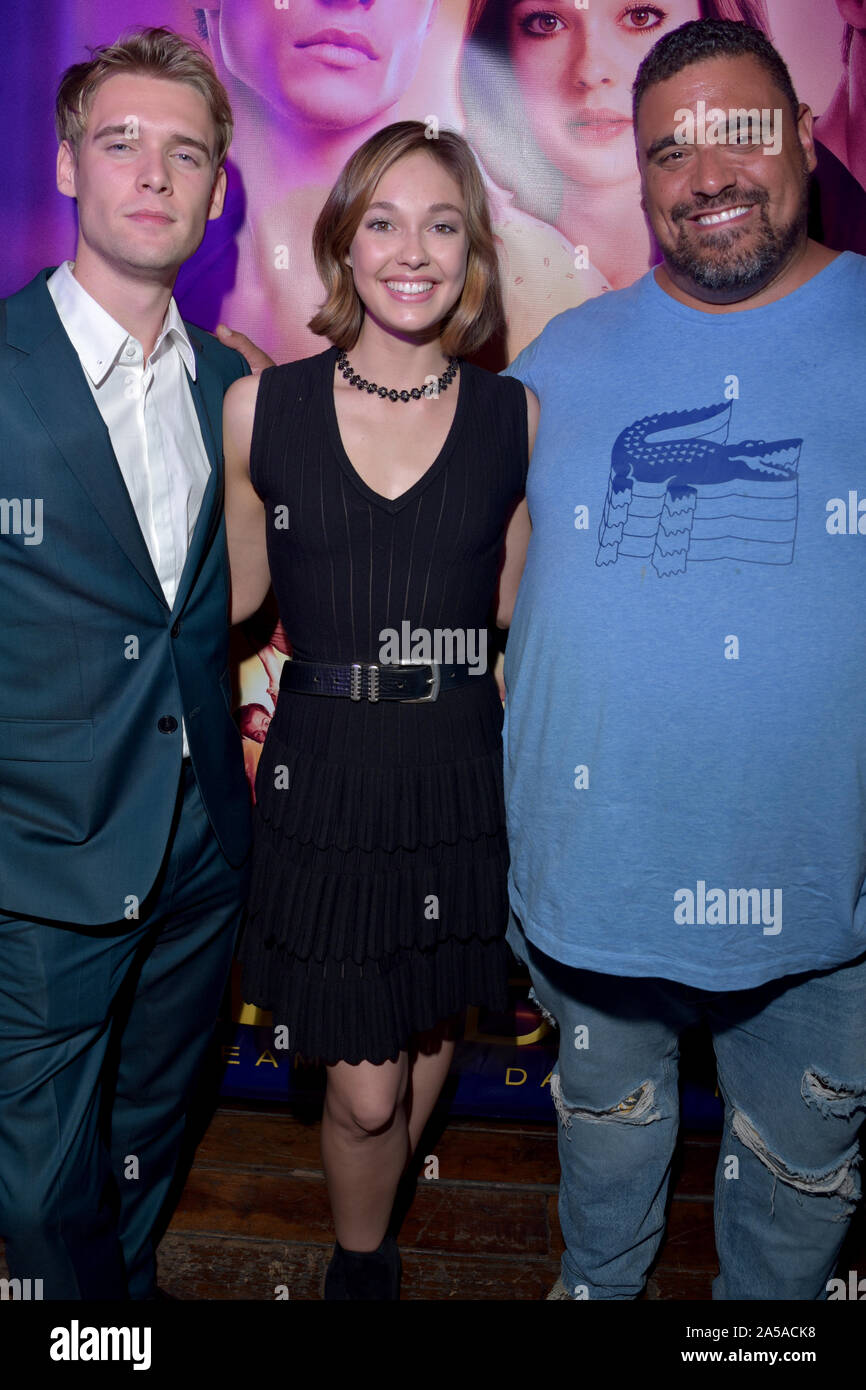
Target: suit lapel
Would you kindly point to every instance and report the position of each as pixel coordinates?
(53, 381)
(207, 394)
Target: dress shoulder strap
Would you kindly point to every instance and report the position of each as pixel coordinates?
(286, 393)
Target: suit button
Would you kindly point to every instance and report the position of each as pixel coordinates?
(167, 724)
(175, 629)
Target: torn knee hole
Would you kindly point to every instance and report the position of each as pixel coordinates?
(637, 1108)
(833, 1097)
(545, 1013)
(838, 1181)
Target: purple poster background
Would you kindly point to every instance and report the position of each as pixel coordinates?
(226, 274)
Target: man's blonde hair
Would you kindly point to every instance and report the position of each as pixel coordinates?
(151, 52)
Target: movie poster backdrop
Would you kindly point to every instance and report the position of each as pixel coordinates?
(518, 78)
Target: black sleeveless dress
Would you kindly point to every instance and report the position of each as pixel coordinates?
(378, 903)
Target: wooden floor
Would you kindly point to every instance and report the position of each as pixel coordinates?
(254, 1215)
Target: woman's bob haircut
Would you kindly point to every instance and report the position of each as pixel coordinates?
(478, 313)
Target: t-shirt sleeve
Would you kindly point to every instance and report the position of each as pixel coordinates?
(527, 365)
(520, 418)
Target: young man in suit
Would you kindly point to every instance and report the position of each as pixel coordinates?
(125, 825)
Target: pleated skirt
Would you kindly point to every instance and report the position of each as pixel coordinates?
(378, 905)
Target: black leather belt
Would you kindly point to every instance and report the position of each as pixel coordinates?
(418, 682)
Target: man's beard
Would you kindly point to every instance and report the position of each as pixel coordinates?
(748, 268)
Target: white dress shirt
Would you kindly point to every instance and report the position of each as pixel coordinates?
(151, 420)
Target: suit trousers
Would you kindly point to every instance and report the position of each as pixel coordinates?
(102, 1034)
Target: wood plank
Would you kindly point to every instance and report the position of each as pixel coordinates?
(689, 1244)
(492, 1151)
(291, 1206)
(230, 1268)
(224, 1267)
(194, 1267)
(495, 1152)
(694, 1171)
(277, 1141)
(444, 1216)
(678, 1285)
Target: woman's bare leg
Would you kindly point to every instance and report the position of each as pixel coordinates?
(373, 1117)
(431, 1057)
(365, 1147)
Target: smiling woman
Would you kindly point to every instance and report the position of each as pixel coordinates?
(547, 92)
(378, 905)
(474, 310)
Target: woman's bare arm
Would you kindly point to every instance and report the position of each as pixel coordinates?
(517, 534)
(245, 512)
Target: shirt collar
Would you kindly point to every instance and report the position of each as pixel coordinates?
(174, 330)
(98, 338)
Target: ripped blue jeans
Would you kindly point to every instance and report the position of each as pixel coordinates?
(791, 1061)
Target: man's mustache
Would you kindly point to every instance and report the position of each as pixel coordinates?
(739, 198)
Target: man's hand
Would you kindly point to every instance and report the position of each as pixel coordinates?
(257, 359)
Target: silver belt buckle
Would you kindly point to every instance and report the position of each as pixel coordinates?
(435, 682)
(356, 682)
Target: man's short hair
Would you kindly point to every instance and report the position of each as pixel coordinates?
(702, 39)
(151, 52)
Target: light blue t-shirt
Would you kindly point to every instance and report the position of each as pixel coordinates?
(685, 723)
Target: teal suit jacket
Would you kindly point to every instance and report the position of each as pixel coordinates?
(96, 672)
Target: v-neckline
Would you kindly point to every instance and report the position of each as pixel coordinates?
(391, 504)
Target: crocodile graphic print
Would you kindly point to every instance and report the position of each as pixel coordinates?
(679, 493)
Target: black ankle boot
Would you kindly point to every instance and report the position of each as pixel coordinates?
(364, 1275)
